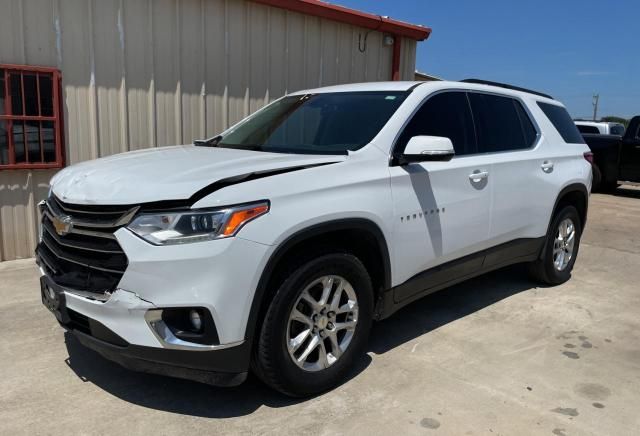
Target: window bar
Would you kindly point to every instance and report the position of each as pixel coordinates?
(57, 125)
(24, 123)
(24, 106)
(7, 111)
(40, 121)
(24, 141)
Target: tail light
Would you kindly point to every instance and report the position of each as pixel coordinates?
(588, 156)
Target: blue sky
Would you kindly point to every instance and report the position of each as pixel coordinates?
(568, 48)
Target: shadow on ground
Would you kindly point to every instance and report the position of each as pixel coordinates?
(448, 305)
(195, 399)
(626, 192)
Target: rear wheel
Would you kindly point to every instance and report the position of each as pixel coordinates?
(561, 248)
(602, 182)
(316, 326)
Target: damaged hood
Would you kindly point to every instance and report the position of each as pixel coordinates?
(169, 173)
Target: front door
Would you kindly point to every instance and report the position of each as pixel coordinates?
(441, 209)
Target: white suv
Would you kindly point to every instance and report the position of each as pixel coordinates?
(274, 245)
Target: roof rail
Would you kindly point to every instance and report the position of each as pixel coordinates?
(504, 85)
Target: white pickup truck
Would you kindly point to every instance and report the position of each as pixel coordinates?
(600, 128)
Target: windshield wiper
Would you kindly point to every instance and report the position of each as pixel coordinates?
(211, 142)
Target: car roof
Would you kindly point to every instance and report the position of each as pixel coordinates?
(399, 86)
(597, 123)
(356, 87)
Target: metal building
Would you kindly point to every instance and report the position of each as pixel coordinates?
(119, 75)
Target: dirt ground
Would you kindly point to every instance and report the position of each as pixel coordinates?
(495, 355)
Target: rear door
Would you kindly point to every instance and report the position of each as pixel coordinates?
(524, 183)
(442, 209)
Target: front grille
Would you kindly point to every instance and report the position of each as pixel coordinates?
(78, 249)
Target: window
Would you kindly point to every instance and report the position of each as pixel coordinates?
(588, 129)
(30, 126)
(617, 129)
(530, 132)
(446, 114)
(563, 123)
(501, 123)
(328, 123)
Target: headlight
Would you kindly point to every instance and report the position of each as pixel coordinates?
(195, 225)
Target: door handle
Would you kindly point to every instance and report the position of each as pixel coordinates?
(547, 166)
(478, 176)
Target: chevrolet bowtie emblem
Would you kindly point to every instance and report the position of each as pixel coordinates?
(62, 224)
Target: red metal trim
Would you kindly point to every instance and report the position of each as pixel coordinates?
(63, 140)
(25, 147)
(58, 126)
(28, 68)
(40, 142)
(56, 119)
(350, 16)
(24, 103)
(30, 166)
(7, 110)
(40, 122)
(395, 61)
(24, 142)
(27, 118)
(38, 92)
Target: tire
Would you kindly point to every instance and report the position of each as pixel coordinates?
(545, 269)
(273, 361)
(597, 178)
(608, 187)
(604, 183)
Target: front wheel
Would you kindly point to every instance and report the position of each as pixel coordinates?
(561, 248)
(316, 326)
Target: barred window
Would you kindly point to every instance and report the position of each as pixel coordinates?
(30, 118)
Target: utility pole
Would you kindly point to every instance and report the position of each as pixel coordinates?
(596, 98)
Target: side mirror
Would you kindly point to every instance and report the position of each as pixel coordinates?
(427, 148)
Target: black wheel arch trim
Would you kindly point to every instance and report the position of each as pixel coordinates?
(574, 187)
(360, 224)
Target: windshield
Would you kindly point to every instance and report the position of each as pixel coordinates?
(331, 123)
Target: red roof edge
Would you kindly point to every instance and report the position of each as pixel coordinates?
(351, 16)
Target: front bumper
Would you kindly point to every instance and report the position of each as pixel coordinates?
(216, 365)
(220, 276)
(219, 368)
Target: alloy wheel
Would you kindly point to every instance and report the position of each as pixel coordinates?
(563, 244)
(322, 323)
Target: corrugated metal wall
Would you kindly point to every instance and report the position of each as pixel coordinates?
(145, 73)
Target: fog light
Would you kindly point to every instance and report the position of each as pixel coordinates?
(196, 320)
(190, 324)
